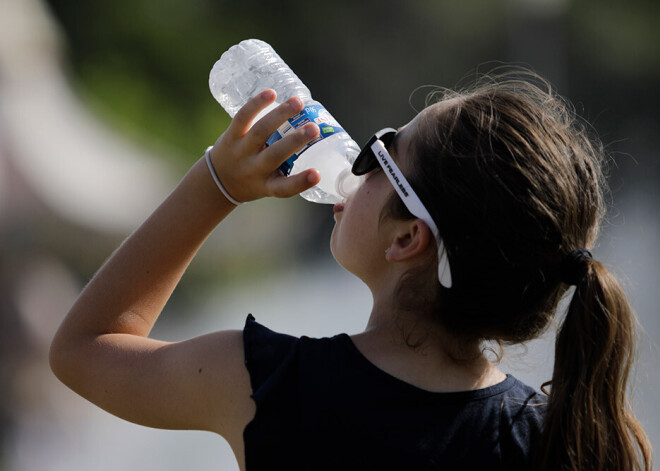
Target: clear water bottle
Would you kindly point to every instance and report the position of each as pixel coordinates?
(252, 66)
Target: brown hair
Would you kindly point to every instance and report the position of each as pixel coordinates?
(513, 180)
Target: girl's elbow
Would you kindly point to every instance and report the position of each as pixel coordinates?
(57, 357)
(63, 358)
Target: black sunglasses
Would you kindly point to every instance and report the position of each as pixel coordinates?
(366, 160)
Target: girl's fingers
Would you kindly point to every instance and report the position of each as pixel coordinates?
(267, 125)
(243, 119)
(254, 173)
(278, 152)
(285, 187)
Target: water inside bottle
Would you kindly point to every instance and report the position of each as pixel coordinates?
(337, 180)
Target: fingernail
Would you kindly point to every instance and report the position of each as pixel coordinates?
(267, 94)
(296, 103)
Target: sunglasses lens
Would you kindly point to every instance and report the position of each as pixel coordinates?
(366, 160)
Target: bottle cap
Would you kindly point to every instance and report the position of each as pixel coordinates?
(347, 183)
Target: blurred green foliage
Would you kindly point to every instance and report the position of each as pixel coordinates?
(144, 64)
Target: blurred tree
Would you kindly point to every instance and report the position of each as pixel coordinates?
(144, 66)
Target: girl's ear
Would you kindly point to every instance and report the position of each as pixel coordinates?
(411, 240)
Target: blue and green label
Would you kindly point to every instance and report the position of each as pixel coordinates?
(310, 114)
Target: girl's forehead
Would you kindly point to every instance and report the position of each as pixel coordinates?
(407, 133)
(441, 106)
(428, 113)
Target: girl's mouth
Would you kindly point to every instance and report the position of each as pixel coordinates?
(338, 208)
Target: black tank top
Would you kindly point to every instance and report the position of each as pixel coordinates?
(321, 405)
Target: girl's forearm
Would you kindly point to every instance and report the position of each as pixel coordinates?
(102, 351)
(130, 290)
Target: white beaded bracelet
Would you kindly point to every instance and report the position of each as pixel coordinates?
(216, 179)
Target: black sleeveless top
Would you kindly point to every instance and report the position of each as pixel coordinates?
(321, 405)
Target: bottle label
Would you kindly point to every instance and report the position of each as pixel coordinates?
(310, 114)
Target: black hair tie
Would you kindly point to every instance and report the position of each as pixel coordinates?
(574, 267)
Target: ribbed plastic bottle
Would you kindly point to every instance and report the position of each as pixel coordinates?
(252, 66)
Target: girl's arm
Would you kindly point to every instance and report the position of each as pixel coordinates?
(102, 351)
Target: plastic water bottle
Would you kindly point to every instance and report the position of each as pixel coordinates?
(252, 66)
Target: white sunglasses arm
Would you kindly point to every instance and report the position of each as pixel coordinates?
(414, 205)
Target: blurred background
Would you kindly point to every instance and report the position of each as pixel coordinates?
(105, 104)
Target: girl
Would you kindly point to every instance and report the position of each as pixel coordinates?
(472, 222)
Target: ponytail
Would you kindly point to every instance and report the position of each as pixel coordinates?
(528, 175)
(589, 423)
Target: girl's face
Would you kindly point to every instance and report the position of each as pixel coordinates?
(357, 241)
(360, 237)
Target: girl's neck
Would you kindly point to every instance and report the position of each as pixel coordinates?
(416, 349)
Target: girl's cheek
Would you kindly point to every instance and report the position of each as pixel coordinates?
(371, 174)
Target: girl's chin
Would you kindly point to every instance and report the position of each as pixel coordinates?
(335, 250)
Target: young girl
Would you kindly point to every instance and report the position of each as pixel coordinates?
(472, 222)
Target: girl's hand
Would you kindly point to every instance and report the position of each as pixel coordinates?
(247, 168)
